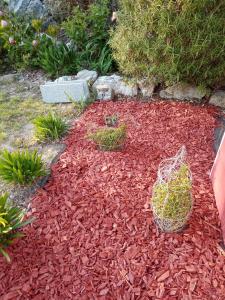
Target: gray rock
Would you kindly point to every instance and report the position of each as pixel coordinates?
(50, 153)
(65, 90)
(147, 88)
(89, 76)
(117, 84)
(9, 78)
(104, 92)
(182, 91)
(34, 8)
(218, 133)
(218, 99)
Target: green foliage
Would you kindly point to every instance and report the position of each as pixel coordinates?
(11, 220)
(57, 59)
(172, 40)
(90, 33)
(16, 40)
(21, 167)
(172, 200)
(109, 139)
(50, 127)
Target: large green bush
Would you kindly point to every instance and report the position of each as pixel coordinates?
(172, 40)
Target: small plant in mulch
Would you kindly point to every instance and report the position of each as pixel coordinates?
(50, 127)
(11, 220)
(111, 121)
(109, 139)
(21, 167)
(172, 199)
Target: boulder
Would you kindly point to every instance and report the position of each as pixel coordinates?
(182, 91)
(218, 99)
(89, 76)
(34, 8)
(147, 87)
(117, 85)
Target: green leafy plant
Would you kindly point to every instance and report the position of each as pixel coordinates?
(50, 127)
(109, 139)
(172, 201)
(11, 220)
(21, 167)
(171, 41)
(57, 59)
(90, 33)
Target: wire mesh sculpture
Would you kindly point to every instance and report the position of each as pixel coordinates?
(172, 198)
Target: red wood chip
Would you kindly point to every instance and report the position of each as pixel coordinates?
(94, 236)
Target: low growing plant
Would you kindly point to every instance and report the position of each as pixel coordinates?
(21, 167)
(111, 121)
(50, 127)
(109, 139)
(11, 220)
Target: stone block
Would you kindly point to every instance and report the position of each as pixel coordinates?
(104, 92)
(62, 91)
(182, 91)
(218, 99)
(89, 76)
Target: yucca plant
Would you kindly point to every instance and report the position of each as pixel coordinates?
(50, 127)
(21, 167)
(109, 139)
(11, 220)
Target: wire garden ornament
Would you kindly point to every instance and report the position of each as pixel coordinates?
(172, 200)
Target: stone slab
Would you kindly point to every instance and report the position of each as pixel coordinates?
(182, 91)
(61, 92)
(218, 99)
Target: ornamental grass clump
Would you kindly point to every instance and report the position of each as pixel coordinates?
(109, 139)
(21, 167)
(50, 127)
(11, 220)
(172, 199)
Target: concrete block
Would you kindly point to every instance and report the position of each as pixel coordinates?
(61, 91)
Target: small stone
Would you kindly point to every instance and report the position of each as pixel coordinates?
(147, 88)
(218, 99)
(182, 91)
(89, 76)
(104, 92)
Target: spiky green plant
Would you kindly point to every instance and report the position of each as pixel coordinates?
(109, 139)
(21, 167)
(50, 127)
(11, 220)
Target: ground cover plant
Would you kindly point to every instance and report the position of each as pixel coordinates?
(109, 139)
(11, 221)
(172, 41)
(21, 167)
(94, 234)
(25, 111)
(50, 127)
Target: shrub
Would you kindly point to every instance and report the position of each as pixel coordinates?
(50, 127)
(172, 201)
(109, 139)
(172, 40)
(21, 167)
(11, 220)
(90, 33)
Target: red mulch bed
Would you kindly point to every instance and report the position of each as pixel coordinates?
(94, 236)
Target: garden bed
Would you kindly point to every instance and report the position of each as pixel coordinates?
(94, 235)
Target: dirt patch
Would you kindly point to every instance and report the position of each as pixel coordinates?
(94, 236)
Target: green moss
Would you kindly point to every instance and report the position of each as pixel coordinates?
(172, 200)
